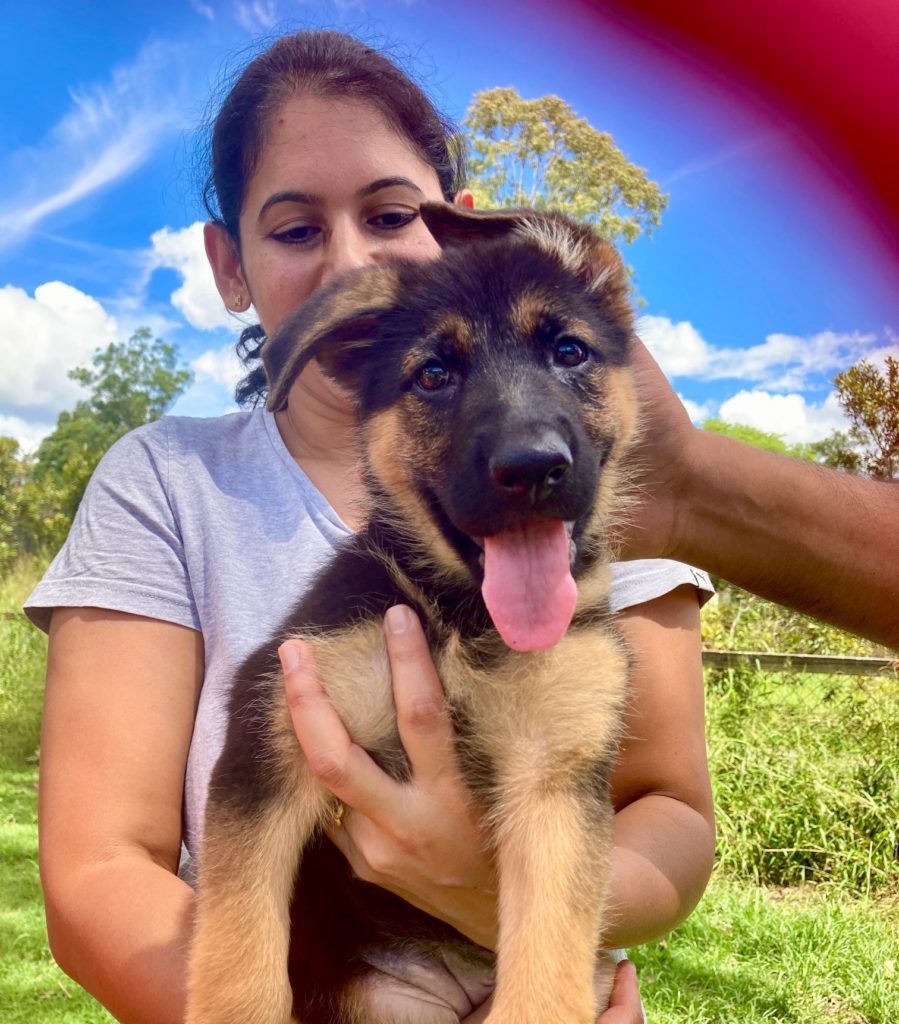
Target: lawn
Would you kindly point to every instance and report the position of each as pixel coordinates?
(800, 924)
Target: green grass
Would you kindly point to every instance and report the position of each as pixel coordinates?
(806, 775)
(33, 990)
(806, 778)
(23, 656)
(805, 767)
(750, 955)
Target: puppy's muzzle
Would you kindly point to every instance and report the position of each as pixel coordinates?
(530, 472)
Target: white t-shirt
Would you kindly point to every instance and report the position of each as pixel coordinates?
(210, 523)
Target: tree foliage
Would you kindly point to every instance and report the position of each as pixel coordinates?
(870, 398)
(129, 384)
(11, 480)
(837, 451)
(539, 153)
(758, 438)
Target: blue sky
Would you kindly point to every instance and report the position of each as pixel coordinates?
(761, 284)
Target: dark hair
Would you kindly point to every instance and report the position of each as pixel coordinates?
(326, 64)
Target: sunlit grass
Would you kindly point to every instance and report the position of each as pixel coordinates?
(750, 954)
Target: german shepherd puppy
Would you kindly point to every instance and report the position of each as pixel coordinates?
(495, 408)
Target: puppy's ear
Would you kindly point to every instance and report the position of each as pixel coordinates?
(578, 248)
(453, 225)
(575, 246)
(337, 326)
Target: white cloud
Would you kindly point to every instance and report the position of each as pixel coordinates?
(782, 362)
(258, 15)
(29, 435)
(728, 154)
(42, 338)
(204, 10)
(110, 130)
(697, 412)
(197, 298)
(220, 366)
(791, 416)
(679, 348)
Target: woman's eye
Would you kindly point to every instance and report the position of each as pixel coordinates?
(300, 234)
(393, 219)
(570, 352)
(432, 376)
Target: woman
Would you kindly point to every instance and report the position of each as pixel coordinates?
(196, 536)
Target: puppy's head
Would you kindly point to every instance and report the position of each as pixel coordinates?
(495, 400)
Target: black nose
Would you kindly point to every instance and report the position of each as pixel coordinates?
(531, 471)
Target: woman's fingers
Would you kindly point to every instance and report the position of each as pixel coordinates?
(422, 718)
(334, 759)
(624, 1004)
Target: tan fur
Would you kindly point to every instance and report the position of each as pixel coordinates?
(451, 325)
(392, 445)
(252, 883)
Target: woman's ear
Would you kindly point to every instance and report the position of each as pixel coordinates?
(221, 251)
(464, 198)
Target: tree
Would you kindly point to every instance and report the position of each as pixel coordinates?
(757, 438)
(870, 398)
(130, 384)
(11, 480)
(539, 153)
(837, 451)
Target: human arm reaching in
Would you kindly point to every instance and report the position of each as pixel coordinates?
(823, 542)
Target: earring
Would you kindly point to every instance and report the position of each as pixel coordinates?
(238, 301)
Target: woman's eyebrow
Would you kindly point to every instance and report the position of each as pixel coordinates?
(376, 186)
(306, 198)
(309, 199)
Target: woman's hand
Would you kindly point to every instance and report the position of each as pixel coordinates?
(624, 1003)
(422, 839)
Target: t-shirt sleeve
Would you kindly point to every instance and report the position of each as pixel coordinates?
(647, 578)
(124, 550)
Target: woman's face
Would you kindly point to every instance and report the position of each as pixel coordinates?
(336, 187)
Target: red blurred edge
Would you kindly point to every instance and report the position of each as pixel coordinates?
(830, 67)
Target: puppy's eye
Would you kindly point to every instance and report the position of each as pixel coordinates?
(432, 376)
(570, 352)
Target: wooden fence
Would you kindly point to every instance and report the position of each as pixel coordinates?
(820, 663)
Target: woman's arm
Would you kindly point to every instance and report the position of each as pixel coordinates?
(664, 822)
(119, 711)
(822, 542)
(423, 840)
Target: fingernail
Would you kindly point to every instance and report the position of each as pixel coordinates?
(398, 619)
(290, 657)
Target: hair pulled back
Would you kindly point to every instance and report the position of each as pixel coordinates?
(326, 64)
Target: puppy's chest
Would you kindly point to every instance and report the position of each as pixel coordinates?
(564, 703)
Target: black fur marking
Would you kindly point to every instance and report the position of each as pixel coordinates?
(475, 764)
(353, 587)
(337, 919)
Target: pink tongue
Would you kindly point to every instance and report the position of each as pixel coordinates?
(528, 588)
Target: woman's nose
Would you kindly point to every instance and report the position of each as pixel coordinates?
(346, 249)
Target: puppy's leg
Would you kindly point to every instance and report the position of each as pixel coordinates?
(238, 967)
(553, 849)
